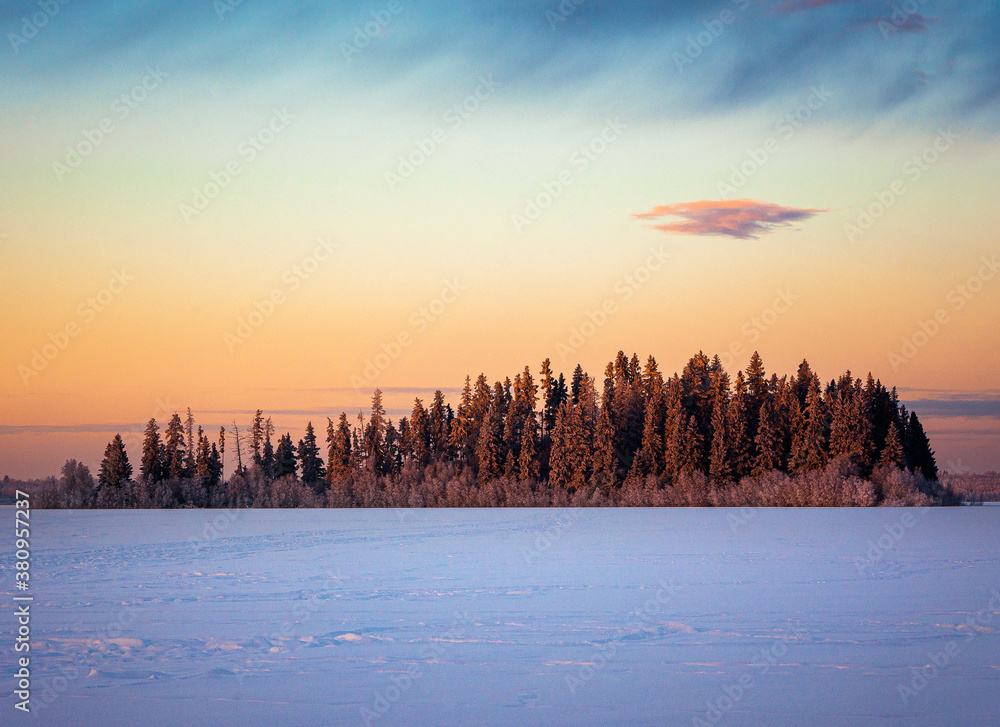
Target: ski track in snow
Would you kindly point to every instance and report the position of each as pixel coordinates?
(511, 617)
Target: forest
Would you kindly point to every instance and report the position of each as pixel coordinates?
(636, 438)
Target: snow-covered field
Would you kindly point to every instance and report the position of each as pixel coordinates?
(513, 617)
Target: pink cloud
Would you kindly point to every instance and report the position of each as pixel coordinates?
(744, 219)
(794, 6)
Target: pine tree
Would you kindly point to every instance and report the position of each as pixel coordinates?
(284, 457)
(768, 441)
(527, 464)
(374, 436)
(575, 382)
(490, 456)
(546, 384)
(222, 447)
(313, 472)
(418, 438)
(339, 453)
(267, 456)
(649, 459)
(257, 437)
(175, 449)
(116, 470)
(720, 467)
(918, 452)
(892, 453)
(438, 427)
(151, 467)
(740, 430)
(604, 460)
(192, 443)
(571, 459)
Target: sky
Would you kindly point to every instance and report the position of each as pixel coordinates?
(239, 205)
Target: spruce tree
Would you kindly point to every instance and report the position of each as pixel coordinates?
(604, 460)
(892, 453)
(284, 457)
(115, 470)
(175, 449)
(768, 440)
(720, 468)
(313, 472)
(151, 466)
(339, 453)
(918, 452)
(418, 436)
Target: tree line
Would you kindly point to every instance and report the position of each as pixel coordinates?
(575, 440)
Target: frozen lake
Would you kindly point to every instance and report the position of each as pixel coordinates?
(514, 617)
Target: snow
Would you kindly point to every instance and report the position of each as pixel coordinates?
(515, 617)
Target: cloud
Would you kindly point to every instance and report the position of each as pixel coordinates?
(794, 6)
(744, 219)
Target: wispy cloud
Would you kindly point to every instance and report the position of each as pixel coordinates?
(794, 6)
(744, 219)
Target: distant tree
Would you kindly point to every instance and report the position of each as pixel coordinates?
(438, 427)
(490, 455)
(116, 471)
(720, 467)
(809, 440)
(257, 435)
(152, 465)
(374, 436)
(741, 430)
(284, 457)
(191, 442)
(222, 447)
(605, 462)
(340, 458)
(768, 441)
(918, 452)
(418, 435)
(892, 453)
(175, 448)
(313, 472)
(76, 486)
